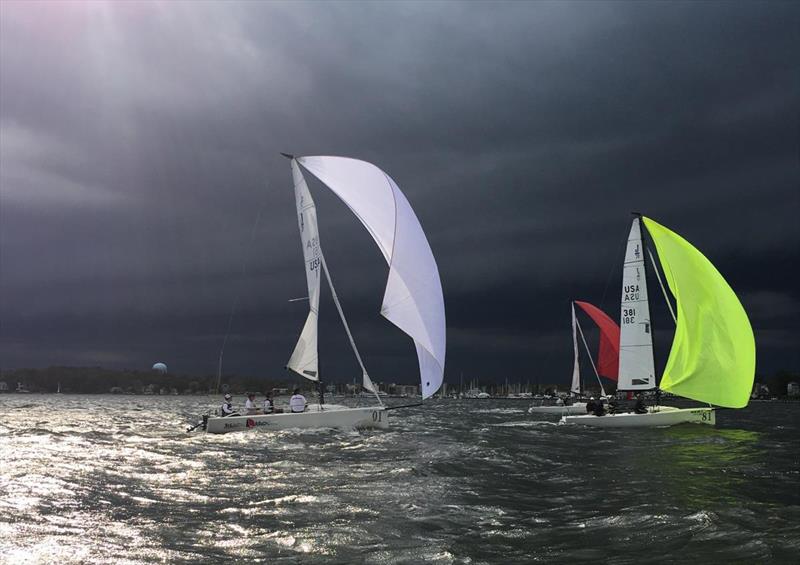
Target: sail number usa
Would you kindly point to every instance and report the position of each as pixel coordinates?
(630, 292)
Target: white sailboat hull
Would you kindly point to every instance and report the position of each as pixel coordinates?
(328, 417)
(657, 417)
(577, 408)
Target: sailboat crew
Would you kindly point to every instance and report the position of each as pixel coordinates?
(640, 407)
(612, 405)
(599, 409)
(269, 405)
(227, 407)
(297, 403)
(250, 404)
(321, 386)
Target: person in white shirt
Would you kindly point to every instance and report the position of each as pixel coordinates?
(250, 405)
(297, 403)
(227, 407)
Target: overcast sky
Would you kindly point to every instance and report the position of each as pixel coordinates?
(142, 192)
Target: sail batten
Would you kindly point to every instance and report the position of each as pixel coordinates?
(413, 298)
(712, 358)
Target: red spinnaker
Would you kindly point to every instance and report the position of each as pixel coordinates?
(608, 355)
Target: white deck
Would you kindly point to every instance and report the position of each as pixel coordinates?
(658, 416)
(331, 416)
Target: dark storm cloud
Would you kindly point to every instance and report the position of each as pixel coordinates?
(143, 194)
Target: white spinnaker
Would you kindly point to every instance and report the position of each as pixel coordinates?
(576, 370)
(636, 366)
(413, 298)
(304, 359)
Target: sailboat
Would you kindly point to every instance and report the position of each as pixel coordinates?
(412, 299)
(712, 358)
(607, 358)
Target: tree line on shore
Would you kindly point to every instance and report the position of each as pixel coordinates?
(98, 380)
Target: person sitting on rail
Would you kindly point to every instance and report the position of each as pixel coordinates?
(269, 406)
(227, 407)
(640, 407)
(599, 409)
(297, 403)
(613, 405)
(250, 405)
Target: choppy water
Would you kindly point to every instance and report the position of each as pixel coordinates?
(116, 479)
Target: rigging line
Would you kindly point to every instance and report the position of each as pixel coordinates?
(236, 298)
(346, 326)
(661, 284)
(580, 330)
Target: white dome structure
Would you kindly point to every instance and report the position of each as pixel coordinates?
(160, 367)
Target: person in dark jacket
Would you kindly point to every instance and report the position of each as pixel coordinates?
(590, 406)
(599, 409)
(269, 405)
(639, 407)
(227, 407)
(613, 405)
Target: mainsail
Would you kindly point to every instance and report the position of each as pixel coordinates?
(713, 352)
(413, 298)
(576, 370)
(608, 351)
(636, 365)
(304, 359)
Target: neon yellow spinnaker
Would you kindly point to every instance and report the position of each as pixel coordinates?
(713, 356)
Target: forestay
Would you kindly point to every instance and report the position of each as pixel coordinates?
(636, 365)
(713, 352)
(413, 297)
(304, 359)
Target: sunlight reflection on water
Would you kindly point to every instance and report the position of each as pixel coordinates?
(87, 479)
